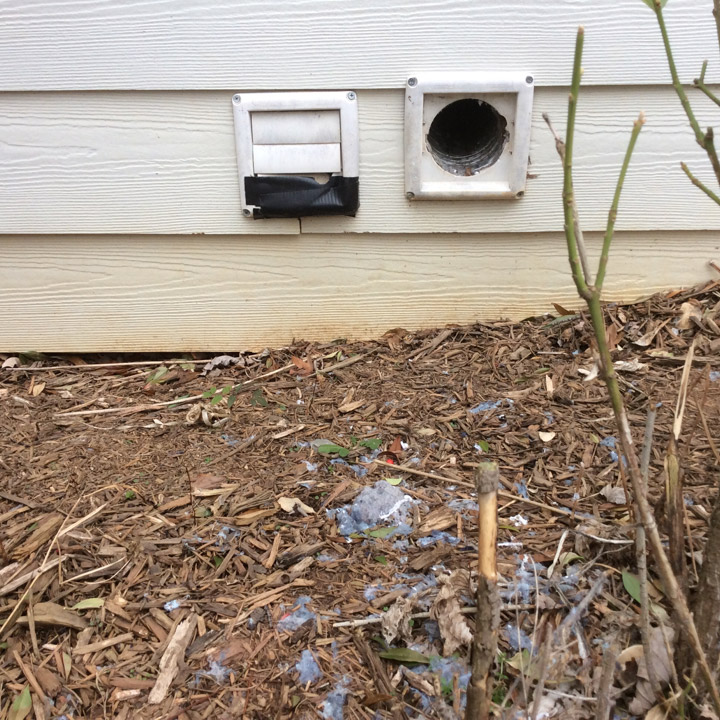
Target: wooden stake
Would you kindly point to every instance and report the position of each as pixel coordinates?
(487, 618)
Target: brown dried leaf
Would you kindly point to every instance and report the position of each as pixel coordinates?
(615, 495)
(48, 680)
(662, 666)
(206, 481)
(304, 367)
(454, 629)
(396, 621)
(291, 504)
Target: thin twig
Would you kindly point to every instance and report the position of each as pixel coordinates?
(470, 610)
(612, 215)
(641, 552)
(699, 184)
(673, 590)
(100, 366)
(608, 670)
(501, 493)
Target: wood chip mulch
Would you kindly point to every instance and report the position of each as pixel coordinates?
(185, 560)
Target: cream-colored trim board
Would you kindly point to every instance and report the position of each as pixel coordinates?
(165, 163)
(336, 44)
(177, 293)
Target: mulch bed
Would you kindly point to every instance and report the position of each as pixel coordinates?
(186, 560)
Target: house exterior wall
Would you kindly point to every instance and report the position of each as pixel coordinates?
(120, 221)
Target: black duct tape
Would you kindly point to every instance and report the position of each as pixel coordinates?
(290, 196)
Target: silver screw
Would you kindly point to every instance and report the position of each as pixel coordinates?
(410, 195)
(351, 96)
(236, 98)
(246, 212)
(529, 79)
(412, 82)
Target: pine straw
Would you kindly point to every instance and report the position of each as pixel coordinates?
(167, 522)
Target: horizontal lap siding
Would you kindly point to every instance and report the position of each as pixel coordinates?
(173, 293)
(164, 162)
(354, 44)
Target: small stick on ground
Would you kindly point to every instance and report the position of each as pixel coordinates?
(641, 553)
(605, 702)
(487, 619)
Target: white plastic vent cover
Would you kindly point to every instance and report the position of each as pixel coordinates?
(293, 140)
(467, 135)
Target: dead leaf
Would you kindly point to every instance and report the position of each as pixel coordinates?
(589, 373)
(396, 446)
(11, 362)
(206, 481)
(612, 337)
(562, 311)
(649, 336)
(396, 620)
(615, 495)
(629, 365)
(707, 712)
(303, 366)
(454, 629)
(48, 680)
(222, 361)
(661, 663)
(546, 436)
(37, 389)
(290, 505)
(656, 713)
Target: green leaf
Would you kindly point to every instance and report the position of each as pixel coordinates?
(330, 449)
(381, 559)
(405, 656)
(567, 557)
(381, 532)
(520, 661)
(393, 481)
(651, 4)
(3, 646)
(209, 393)
(21, 706)
(157, 375)
(231, 400)
(372, 443)
(483, 445)
(216, 400)
(129, 495)
(632, 585)
(258, 399)
(218, 560)
(89, 604)
(187, 366)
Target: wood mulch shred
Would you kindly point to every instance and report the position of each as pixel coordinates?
(149, 570)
